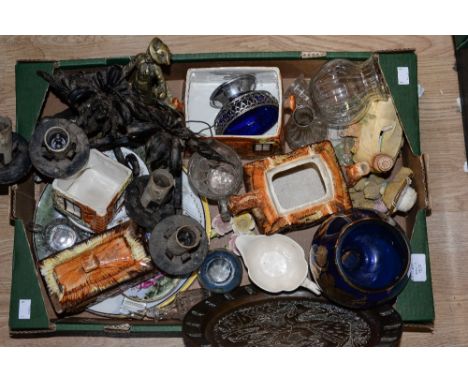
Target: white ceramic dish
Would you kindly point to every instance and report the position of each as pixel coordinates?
(275, 263)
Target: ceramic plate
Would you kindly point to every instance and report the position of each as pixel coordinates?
(157, 291)
(250, 317)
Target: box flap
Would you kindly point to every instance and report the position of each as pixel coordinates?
(31, 91)
(27, 309)
(418, 291)
(235, 56)
(405, 95)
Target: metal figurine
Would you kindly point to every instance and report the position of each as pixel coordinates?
(145, 74)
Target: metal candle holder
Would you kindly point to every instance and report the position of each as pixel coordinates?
(178, 245)
(149, 198)
(58, 148)
(14, 159)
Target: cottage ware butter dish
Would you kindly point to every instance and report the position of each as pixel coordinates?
(76, 276)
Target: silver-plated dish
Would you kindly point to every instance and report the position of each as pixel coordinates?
(229, 90)
(240, 106)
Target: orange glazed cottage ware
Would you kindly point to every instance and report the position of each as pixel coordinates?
(294, 190)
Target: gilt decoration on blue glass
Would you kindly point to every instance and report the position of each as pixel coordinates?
(360, 259)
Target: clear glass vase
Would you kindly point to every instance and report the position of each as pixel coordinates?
(342, 90)
(304, 128)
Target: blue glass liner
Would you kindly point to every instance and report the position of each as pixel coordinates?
(254, 122)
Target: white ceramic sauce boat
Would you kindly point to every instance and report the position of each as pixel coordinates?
(275, 263)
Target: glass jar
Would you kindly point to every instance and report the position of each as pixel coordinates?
(343, 89)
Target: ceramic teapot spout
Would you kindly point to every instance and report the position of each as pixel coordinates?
(241, 203)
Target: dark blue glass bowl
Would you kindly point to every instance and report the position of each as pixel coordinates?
(221, 271)
(254, 122)
(372, 255)
(249, 113)
(360, 258)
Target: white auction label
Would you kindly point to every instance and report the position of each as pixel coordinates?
(24, 311)
(403, 75)
(418, 267)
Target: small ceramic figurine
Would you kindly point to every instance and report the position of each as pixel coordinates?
(360, 258)
(367, 193)
(385, 195)
(145, 73)
(398, 194)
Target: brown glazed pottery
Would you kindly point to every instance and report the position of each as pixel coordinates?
(293, 190)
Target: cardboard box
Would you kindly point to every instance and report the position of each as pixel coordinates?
(415, 304)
